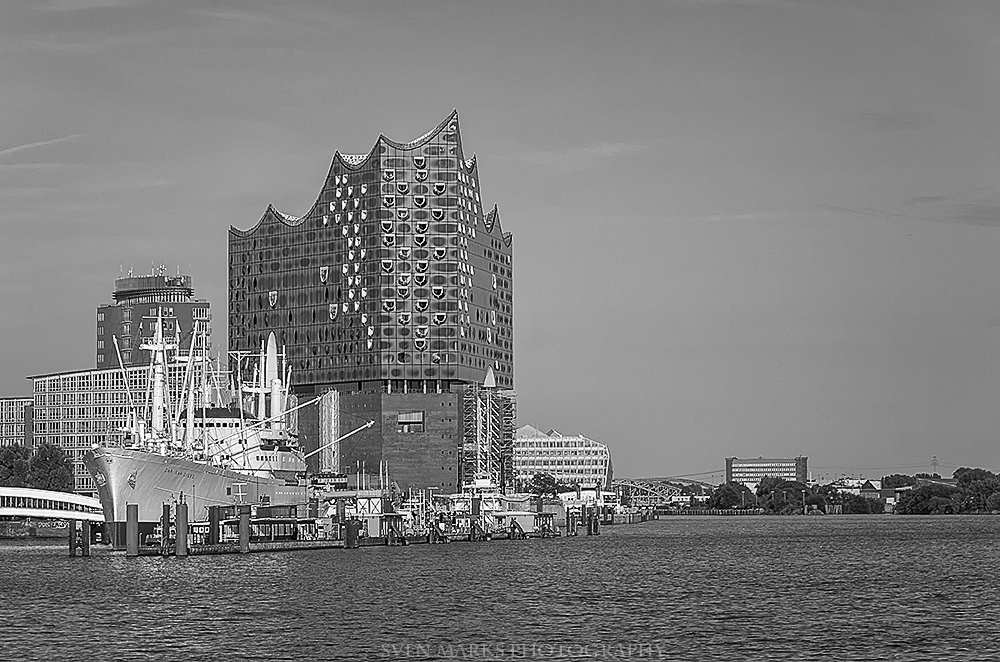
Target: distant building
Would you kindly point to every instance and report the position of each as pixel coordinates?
(395, 290)
(15, 421)
(138, 300)
(77, 409)
(751, 471)
(570, 459)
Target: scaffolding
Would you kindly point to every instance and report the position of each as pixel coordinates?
(488, 424)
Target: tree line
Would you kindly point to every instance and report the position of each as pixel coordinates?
(974, 491)
(45, 468)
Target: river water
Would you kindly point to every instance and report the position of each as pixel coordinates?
(740, 588)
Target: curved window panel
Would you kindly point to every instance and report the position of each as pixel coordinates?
(420, 161)
(440, 318)
(421, 331)
(440, 187)
(364, 189)
(326, 220)
(336, 218)
(371, 331)
(404, 318)
(402, 188)
(402, 213)
(364, 292)
(388, 240)
(364, 214)
(357, 228)
(420, 200)
(440, 253)
(388, 175)
(389, 305)
(420, 344)
(435, 358)
(421, 305)
(420, 240)
(421, 176)
(421, 266)
(388, 266)
(494, 282)
(493, 317)
(350, 191)
(370, 342)
(357, 306)
(404, 279)
(404, 253)
(332, 311)
(437, 291)
(350, 216)
(387, 226)
(437, 214)
(403, 292)
(388, 201)
(339, 192)
(420, 227)
(420, 280)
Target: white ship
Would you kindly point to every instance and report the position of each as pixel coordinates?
(224, 457)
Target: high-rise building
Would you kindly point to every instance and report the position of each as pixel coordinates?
(394, 289)
(132, 318)
(572, 459)
(751, 471)
(15, 421)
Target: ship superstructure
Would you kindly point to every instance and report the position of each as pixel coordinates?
(208, 456)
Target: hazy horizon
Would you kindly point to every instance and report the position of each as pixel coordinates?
(741, 228)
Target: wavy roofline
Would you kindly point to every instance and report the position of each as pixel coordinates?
(490, 221)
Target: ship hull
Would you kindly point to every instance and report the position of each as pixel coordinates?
(129, 476)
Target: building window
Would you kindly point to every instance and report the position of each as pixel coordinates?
(410, 421)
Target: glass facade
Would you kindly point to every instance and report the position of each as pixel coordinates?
(396, 275)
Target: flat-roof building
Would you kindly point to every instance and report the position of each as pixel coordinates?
(570, 459)
(394, 289)
(77, 409)
(15, 421)
(138, 302)
(750, 471)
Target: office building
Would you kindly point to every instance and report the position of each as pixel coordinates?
(15, 421)
(569, 459)
(751, 471)
(395, 290)
(77, 409)
(138, 301)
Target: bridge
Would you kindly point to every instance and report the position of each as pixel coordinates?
(45, 504)
(644, 492)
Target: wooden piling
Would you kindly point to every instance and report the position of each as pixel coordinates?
(165, 530)
(85, 533)
(181, 546)
(72, 538)
(244, 529)
(132, 529)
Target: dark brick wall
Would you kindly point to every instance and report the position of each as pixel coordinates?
(429, 458)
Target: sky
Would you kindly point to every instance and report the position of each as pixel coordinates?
(741, 228)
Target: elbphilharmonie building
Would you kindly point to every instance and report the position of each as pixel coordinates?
(395, 291)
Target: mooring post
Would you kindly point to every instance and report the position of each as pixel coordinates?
(214, 519)
(165, 533)
(85, 533)
(182, 530)
(72, 538)
(132, 529)
(244, 511)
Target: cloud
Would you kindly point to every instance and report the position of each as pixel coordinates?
(978, 213)
(41, 143)
(935, 209)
